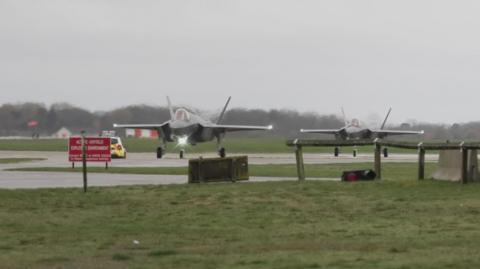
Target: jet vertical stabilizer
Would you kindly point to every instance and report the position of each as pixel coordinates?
(170, 108)
(386, 118)
(220, 118)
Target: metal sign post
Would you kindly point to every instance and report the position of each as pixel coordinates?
(89, 149)
(84, 161)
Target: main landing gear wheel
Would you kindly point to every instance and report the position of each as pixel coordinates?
(182, 152)
(222, 153)
(355, 153)
(336, 151)
(159, 152)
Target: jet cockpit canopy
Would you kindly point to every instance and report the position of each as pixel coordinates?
(182, 115)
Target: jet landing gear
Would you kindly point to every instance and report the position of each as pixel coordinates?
(385, 152)
(336, 152)
(161, 149)
(221, 149)
(221, 152)
(160, 152)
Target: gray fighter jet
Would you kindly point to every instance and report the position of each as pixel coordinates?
(353, 130)
(187, 128)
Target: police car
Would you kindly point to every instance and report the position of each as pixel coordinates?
(117, 150)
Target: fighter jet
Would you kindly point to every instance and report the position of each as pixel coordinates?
(353, 130)
(188, 128)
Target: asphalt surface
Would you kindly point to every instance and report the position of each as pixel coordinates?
(29, 180)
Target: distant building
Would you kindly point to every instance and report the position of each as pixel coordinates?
(141, 133)
(62, 133)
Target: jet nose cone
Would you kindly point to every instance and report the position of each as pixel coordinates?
(175, 124)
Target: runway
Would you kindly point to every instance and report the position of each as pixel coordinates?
(29, 180)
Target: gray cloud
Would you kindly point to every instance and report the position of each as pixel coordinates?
(420, 57)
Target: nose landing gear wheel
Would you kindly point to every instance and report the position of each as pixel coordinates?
(336, 151)
(182, 152)
(222, 153)
(385, 152)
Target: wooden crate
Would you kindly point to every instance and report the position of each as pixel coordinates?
(228, 169)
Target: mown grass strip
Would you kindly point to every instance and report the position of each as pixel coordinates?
(390, 170)
(312, 224)
(19, 160)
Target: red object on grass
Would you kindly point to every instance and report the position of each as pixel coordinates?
(352, 177)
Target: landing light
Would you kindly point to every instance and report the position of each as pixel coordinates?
(270, 127)
(182, 141)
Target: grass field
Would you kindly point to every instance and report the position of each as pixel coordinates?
(233, 145)
(397, 171)
(382, 224)
(18, 160)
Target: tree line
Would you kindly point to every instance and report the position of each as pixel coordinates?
(15, 119)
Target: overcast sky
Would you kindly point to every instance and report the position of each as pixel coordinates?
(420, 57)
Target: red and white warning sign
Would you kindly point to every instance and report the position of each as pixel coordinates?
(98, 149)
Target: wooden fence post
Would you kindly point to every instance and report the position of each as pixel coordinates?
(421, 162)
(378, 161)
(300, 165)
(464, 165)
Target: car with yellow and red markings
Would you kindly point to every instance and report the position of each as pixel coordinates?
(117, 150)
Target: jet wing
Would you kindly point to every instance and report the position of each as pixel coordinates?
(163, 129)
(383, 133)
(142, 126)
(321, 131)
(233, 128)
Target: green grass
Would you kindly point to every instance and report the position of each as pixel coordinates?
(233, 145)
(18, 160)
(381, 224)
(34, 144)
(390, 170)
